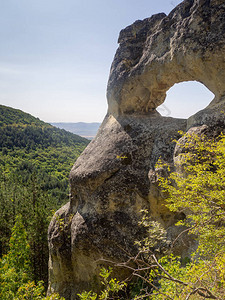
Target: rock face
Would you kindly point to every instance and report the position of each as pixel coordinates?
(115, 176)
(160, 51)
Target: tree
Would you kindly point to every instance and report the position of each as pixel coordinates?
(15, 269)
(197, 188)
(16, 278)
(22, 194)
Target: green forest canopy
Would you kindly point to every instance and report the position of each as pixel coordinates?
(35, 161)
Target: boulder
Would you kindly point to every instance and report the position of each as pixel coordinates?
(115, 176)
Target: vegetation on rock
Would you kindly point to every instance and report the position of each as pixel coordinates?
(195, 188)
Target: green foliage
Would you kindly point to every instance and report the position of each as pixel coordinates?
(15, 267)
(30, 291)
(32, 137)
(21, 130)
(111, 288)
(197, 190)
(155, 235)
(19, 253)
(35, 161)
(88, 295)
(35, 205)
(16, 272)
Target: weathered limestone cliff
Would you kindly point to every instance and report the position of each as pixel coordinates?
(115, 176)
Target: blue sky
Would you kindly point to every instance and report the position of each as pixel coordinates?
(55, 57)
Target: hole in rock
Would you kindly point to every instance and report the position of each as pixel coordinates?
(184, 99)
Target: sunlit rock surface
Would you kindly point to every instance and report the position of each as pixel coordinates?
(115, 176)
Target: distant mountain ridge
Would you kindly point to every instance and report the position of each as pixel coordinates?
(20, 129)
(87, 130)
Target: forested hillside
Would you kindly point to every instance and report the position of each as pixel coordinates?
(35, 161)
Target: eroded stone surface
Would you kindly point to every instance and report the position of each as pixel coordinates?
(115, 176)
(160, 51)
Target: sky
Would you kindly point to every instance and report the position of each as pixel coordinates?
(55, 57)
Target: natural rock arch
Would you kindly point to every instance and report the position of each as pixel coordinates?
(160, 51)
(184, 99)
(115, 176)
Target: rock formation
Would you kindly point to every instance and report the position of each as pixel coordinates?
(115, 176)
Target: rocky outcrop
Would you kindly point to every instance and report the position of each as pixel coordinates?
(115, 176)
(160, 51)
